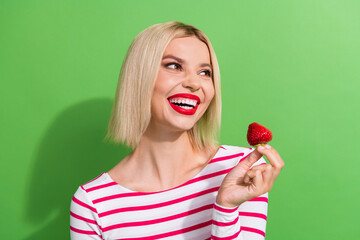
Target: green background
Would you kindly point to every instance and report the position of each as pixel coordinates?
(290, 65)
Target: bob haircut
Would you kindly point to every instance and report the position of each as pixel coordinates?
(131, 111)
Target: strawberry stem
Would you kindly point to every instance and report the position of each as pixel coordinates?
(260, 144)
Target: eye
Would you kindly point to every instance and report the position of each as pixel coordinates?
(173, 65)
(206, 73)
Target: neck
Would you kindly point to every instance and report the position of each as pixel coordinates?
(167, 158)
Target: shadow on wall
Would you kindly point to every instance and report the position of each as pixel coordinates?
(71, 153)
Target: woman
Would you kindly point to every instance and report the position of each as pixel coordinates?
(177, 183)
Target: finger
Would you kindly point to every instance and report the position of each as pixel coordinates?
(271, 153)
(269, 176)
(252, 171)
(268, 173)
(247, 179)
(256, 166)
(262, 167)
(249, 175)
(249, 160)
(273, 156)
(258, 179)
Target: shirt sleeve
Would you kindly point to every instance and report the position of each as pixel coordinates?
(245, 222)
(84, 219)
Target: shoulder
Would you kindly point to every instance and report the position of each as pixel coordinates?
(95, 182)
(87, 190)
(92, 190)
(83, 209)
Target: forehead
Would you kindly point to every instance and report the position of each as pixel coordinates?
(188, 48)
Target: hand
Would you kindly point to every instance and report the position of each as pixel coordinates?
(242, 183)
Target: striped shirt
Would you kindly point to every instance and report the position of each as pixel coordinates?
(103, 209)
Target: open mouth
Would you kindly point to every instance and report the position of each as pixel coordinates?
(184, 103)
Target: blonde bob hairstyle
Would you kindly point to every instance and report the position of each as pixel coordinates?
(131, 111)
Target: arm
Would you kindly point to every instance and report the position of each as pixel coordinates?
(253, 215)
(245, 222)
(84, 220)
(240, 211)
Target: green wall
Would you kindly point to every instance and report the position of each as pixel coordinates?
(290, 65)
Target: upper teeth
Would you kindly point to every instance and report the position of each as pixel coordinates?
(184, 101)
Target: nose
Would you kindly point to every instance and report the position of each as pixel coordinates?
(192, 82)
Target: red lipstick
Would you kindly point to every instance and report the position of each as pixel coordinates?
(185, 96)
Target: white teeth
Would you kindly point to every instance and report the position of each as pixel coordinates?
(184, 101)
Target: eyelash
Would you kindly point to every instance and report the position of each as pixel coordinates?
(178, 67)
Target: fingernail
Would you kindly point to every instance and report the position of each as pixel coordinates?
(267, 146)
(261, 148)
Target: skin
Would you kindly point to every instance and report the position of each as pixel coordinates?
(191, 76)
(164, 156)
(242, 184)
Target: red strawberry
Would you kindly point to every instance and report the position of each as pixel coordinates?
(258, 134)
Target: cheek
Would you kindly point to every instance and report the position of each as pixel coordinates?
(165, 82)
(157, 99)
(210, 92)
(160, 91)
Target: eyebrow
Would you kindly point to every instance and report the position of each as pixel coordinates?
(173, 57)
(180, 60)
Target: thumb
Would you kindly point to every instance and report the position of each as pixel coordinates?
(252, 158)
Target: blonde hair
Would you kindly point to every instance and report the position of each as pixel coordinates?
(131, 111)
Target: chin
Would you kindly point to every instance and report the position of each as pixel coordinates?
(184, 126)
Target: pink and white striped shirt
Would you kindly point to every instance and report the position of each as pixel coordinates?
(103, 209)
